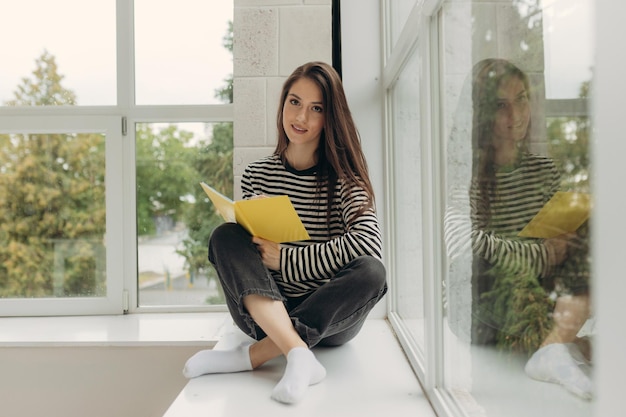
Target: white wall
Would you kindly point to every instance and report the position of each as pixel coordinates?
(609, 226)
(273, 37)
(91, 381)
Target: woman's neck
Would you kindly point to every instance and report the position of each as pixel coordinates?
(506, 156)
(300, 159)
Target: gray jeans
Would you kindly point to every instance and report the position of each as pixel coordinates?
(329, 316)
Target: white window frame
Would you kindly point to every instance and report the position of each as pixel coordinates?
(417, 37)
(49, 122)
(121, 236)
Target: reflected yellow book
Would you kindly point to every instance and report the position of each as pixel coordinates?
(564, 213)
(271, 218)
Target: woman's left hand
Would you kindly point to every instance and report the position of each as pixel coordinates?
(270, 252)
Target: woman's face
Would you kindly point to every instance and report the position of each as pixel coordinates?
(512, 113)
(303, 113)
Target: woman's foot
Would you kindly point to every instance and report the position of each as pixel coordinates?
(302, 370)
(561, 363)
(213, 361)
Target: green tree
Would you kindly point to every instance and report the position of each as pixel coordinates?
(44, 88)
(52, 201)
(214, 165)
(568, 144)
(226, 92)
(164, 174)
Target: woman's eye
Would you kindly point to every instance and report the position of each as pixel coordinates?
(318, 109)
(293, 101)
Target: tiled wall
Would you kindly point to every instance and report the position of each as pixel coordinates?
(271, 39)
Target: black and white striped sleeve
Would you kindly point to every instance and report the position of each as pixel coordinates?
(322, 260)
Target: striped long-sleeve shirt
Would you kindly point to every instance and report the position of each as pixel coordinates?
(519, 194)
(305, 266)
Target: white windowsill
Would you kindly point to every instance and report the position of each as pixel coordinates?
(368, 376)
(154, 329)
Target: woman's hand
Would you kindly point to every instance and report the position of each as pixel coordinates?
(557, 248)
(257, 196)
(270, 252)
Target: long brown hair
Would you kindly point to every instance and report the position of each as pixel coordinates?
(487, 76)
(339, 154)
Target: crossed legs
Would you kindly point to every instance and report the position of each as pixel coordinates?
(332, 314)
(302, 369)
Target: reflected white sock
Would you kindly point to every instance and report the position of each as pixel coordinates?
(555, 363)
(302, 370)
(213, 361)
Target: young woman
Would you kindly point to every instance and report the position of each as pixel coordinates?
(293, 296)
(509, 186)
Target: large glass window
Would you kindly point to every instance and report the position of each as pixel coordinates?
(516, 134)
(110, 116)
(59, 244)
(52, 191)
(174, 215)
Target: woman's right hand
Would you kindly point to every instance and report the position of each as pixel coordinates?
(557, 248)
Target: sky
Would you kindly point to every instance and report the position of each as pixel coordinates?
(180, 56)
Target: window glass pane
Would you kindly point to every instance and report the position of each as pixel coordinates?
(174, 216)
(408, 255)
(399, 11)
(562, 22)
(181, 53)
(516, 131)
(71, 42)
(52, 202)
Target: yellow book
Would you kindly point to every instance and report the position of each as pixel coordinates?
(564, 213)
(271, 218)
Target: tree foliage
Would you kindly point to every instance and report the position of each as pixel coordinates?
(164, 173)
(569, 144)
(519, 308)
(52, 193)
(214, 165)
(52, 201)
(44, 88)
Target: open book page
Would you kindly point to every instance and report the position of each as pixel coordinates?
(272, 218)
(564, 213)
(224, 205)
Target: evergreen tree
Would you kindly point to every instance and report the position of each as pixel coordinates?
(52, 201)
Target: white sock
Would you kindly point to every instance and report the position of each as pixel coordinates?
(555, 363)
(213, 361)
(302, 370)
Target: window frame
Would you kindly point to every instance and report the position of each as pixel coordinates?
(118, 121)
(417, 36)
(59, 124)
(421, 34)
